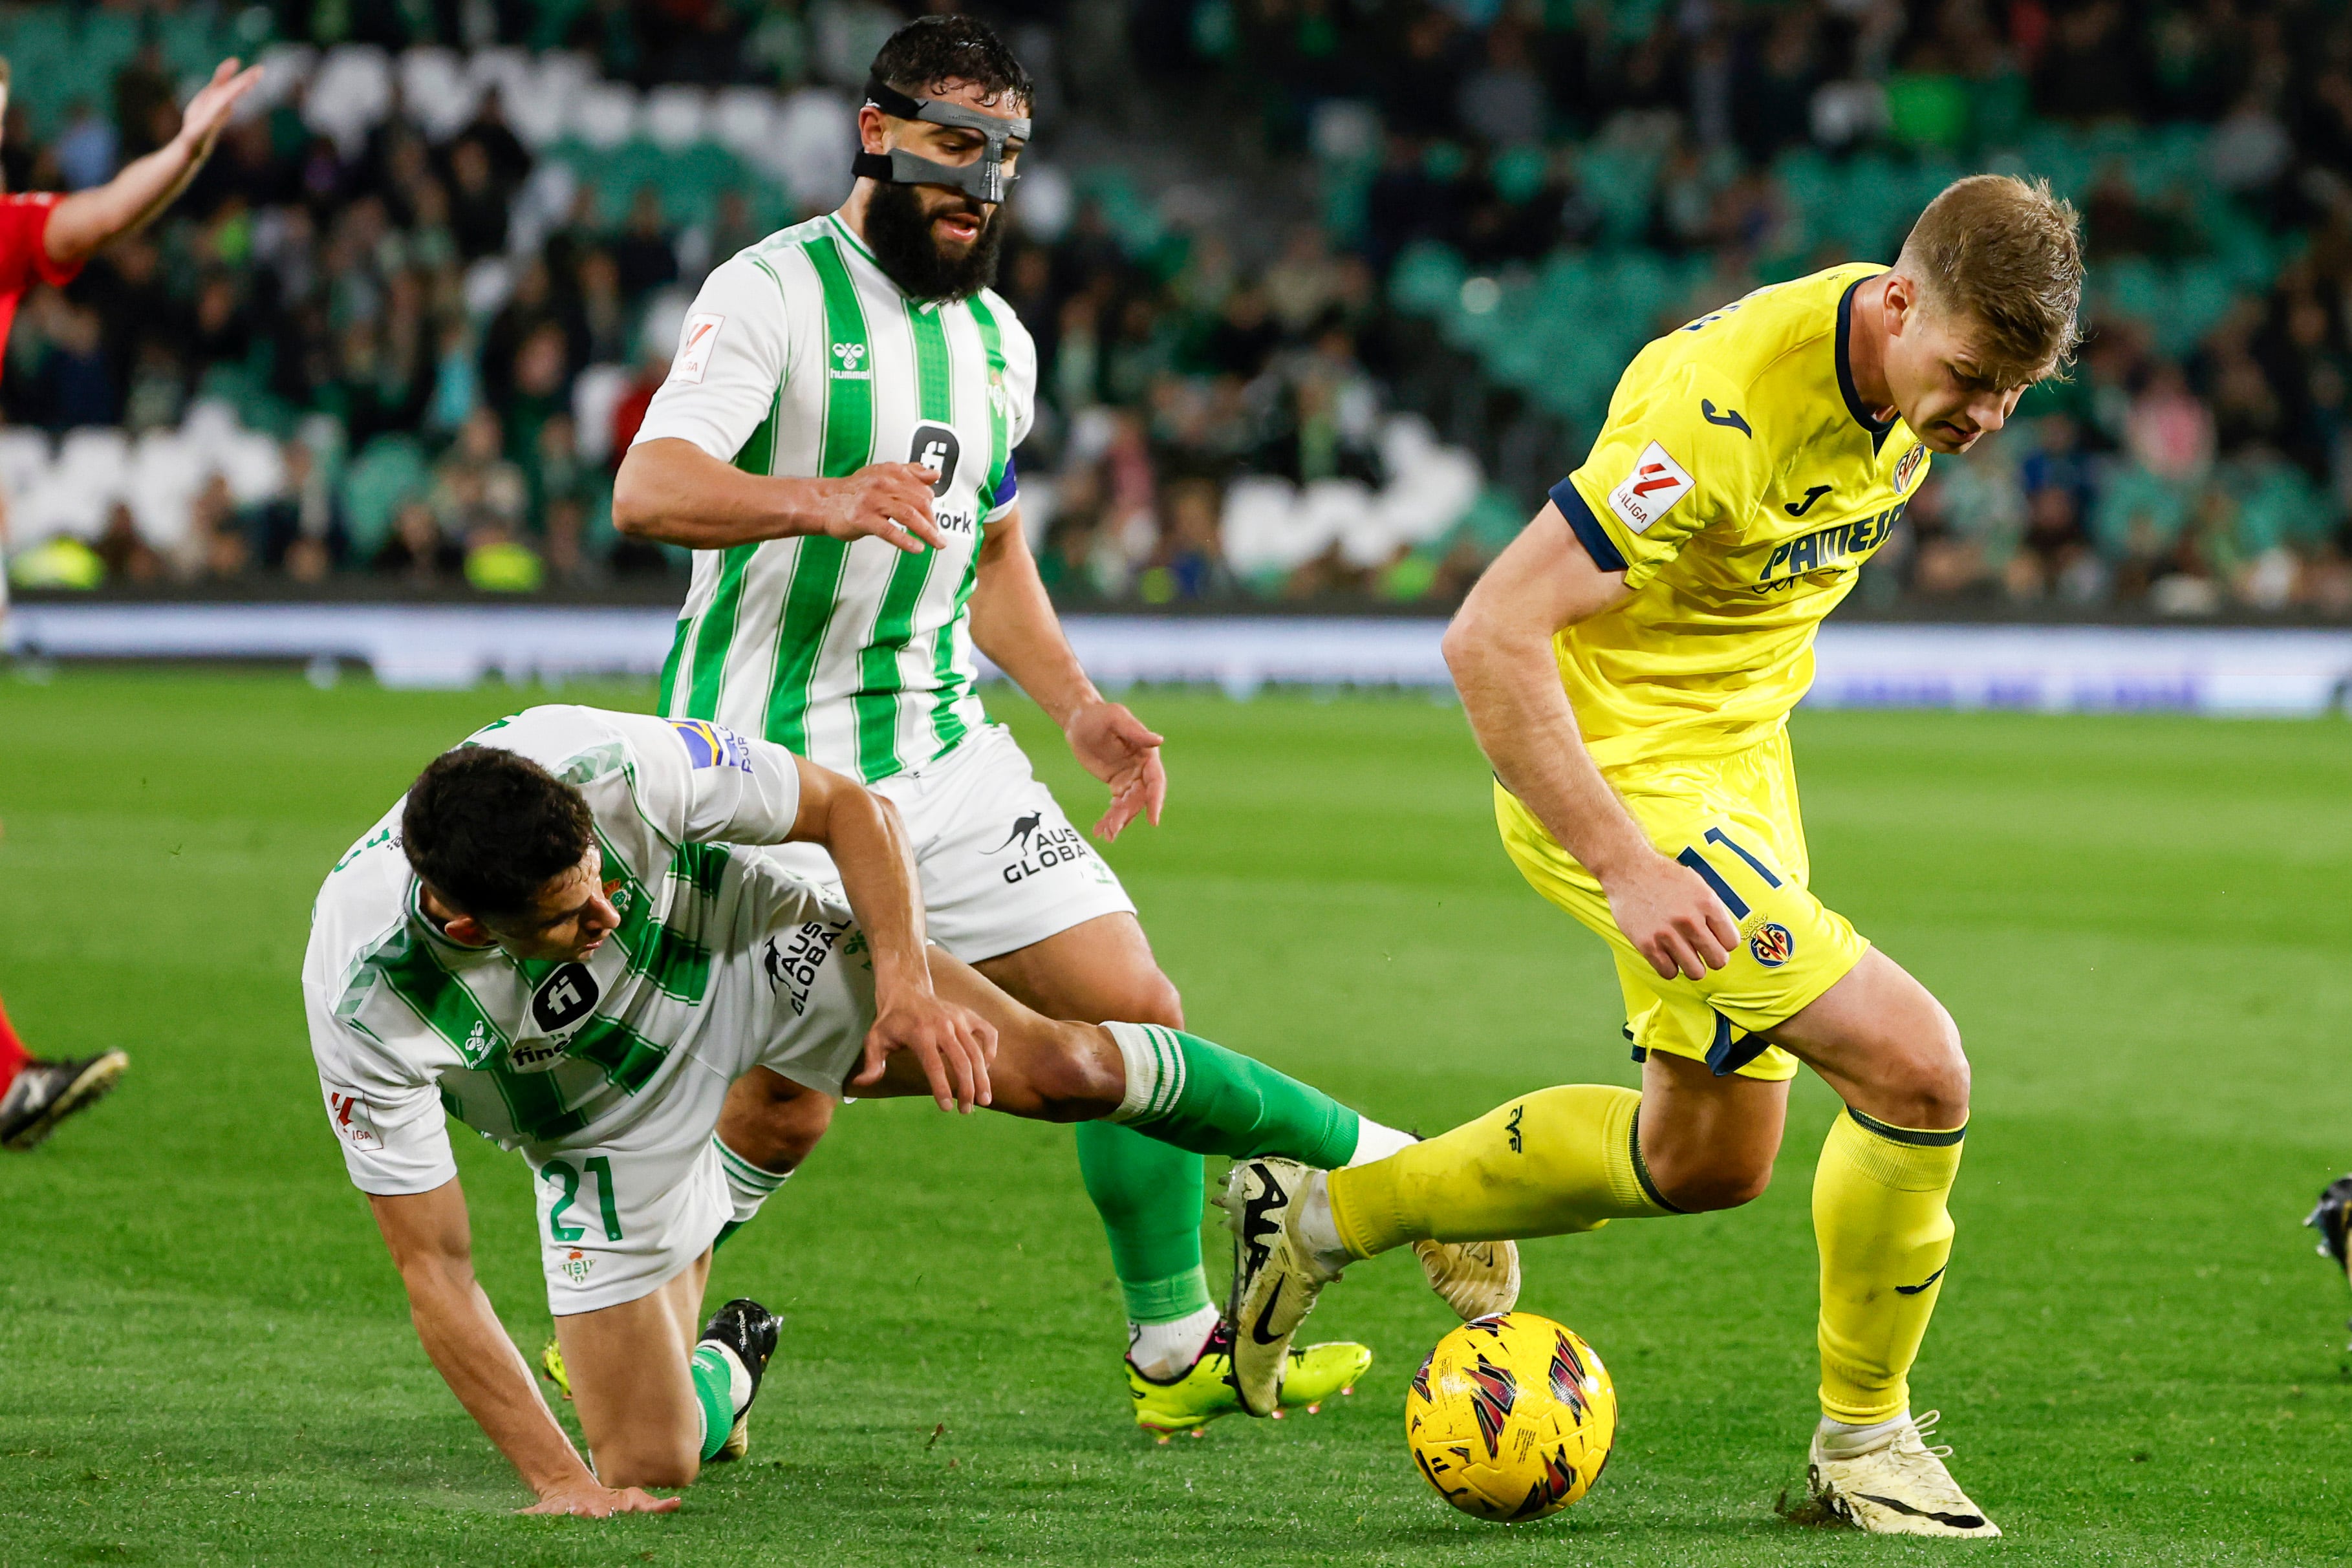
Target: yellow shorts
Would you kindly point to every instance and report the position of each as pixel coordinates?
(1734, 821)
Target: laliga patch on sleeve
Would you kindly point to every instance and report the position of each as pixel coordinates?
(694, 345)
(711, 745)
(1651, 490)
(354, 1118)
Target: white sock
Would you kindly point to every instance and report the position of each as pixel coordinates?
(1155, 1071)
(1162, 1351)
(739, 1376)
(1318, 1229)
(1374, 1142)
(748, 1186)
(1839, 1438)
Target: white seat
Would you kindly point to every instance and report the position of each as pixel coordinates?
(598, 390)
(438, 91)
(743, 120)
(350, 94)
(604, 114)
(284, 68)
(816, 136)
(58, 504)
(1254, 529)
(675, 118)
(24, 459)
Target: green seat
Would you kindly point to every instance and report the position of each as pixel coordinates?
(391, 472)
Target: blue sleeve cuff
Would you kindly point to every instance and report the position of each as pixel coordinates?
(1009, 486)
(1597, 542)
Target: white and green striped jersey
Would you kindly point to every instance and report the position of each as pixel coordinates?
(802, 357)
(406, 1024)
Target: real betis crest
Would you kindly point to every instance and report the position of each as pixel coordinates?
(575, 1266)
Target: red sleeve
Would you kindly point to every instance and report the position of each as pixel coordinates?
(24, 253)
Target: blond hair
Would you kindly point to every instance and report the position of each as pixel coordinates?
(2007, 254)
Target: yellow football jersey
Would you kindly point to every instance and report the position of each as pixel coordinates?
(1740, 483)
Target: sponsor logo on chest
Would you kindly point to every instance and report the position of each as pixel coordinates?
(1839, 546)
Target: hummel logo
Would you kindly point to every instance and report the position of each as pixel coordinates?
(1512, 1127)
(1914, 1290)
(1799, 508)
(849, 355)
(1729, 418)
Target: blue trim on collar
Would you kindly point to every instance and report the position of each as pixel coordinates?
(1845, 368)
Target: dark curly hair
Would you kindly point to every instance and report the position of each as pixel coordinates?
(486, 829)
(929, 52)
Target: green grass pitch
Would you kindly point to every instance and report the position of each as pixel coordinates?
(2140, 923)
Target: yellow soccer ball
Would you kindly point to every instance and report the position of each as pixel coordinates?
(1511, 1417)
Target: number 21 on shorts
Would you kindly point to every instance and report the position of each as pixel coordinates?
(562, 1173)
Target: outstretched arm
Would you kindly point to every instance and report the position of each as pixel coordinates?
(862, 832)
(1014, 623)
(1499, 649)
(432, 1245)
(81, 223)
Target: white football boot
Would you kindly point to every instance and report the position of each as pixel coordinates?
(1897, 1485)
(1276, 1276)
(1478, 1279)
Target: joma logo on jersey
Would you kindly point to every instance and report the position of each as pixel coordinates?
(793, 962)
(849, 359)
(1826, 547)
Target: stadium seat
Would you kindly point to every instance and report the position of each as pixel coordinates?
(350, 94)
(391, 472)
(435, 88)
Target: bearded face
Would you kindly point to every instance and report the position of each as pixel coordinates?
(935, 242)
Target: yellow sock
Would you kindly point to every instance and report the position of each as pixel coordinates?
(1884, 1236)
(1553, 1162)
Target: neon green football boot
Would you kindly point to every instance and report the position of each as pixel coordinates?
(1311, 1374)
(551, 1367)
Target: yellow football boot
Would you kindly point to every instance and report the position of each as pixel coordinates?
(1310, 1375)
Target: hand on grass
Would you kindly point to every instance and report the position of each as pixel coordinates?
(587, 1499)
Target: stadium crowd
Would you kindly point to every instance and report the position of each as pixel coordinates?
(451, 360)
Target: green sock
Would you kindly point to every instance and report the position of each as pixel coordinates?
(1149, 1196)
(714, 1391)
(1185, 1090)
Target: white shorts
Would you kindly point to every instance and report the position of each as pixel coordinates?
(1001, 866)
(623, 1208)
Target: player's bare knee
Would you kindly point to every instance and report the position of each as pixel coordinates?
(636, 1467)
(1153, 1000)
(1699, 1178)
(1705, 1186)
(772, 1121)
